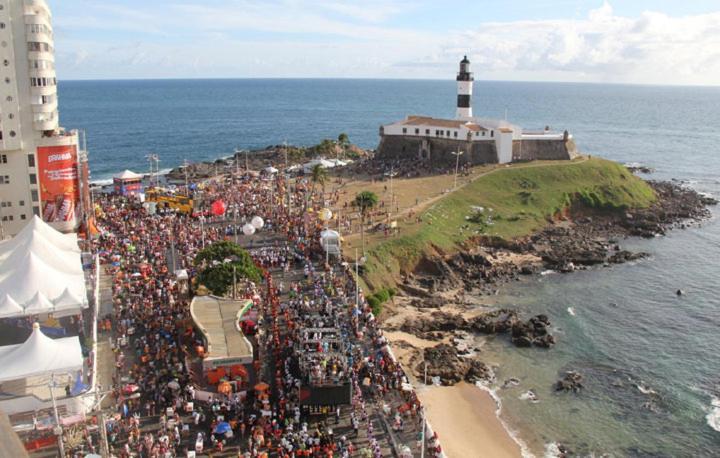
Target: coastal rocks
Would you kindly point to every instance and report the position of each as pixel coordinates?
(626, 256)
(443, 362)
(533, 332)
(572, 381)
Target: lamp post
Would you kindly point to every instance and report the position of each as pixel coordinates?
(58, 428)
(457, 164)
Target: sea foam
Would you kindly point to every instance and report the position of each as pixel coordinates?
(524, 450)
(713, 417)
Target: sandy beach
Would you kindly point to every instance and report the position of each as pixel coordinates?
(464, 418)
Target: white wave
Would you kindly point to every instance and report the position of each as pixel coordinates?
(548, 272)
(102, 182)
(644, 389)
(552, 450)
(529, 396)
(524, 450)
(571, 311)
(713, 417)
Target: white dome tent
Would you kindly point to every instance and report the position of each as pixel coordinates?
(41, 272)
(330, 241)
(40, 355)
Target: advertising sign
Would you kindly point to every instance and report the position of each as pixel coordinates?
(59, 190)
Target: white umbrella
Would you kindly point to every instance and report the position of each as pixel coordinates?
(248, 229)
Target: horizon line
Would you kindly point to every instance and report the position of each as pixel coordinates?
(336, 78)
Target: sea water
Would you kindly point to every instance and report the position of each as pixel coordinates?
(651, 359)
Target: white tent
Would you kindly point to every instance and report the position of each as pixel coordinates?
(308, 166)
(128, 175)
(9, 308)
(38, 228)
(41, 272)
(330, 241)
(271, 170)
(39, 355)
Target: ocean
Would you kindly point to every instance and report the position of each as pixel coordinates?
(651, 359)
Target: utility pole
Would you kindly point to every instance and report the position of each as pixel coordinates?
(101, 424)
(424, 420)
(457, 164)
(185, 168)
(58, 428)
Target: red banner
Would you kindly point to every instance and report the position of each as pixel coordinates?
(59, 190)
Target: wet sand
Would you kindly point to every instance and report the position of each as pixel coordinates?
(464, 418)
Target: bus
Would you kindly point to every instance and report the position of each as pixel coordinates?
(166, 200)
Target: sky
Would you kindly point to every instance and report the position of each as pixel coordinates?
(616, 41)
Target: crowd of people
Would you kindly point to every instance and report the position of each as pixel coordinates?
(314, 333)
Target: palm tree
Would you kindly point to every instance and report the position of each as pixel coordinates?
(344, 141)
(365, 201)
(319, 175)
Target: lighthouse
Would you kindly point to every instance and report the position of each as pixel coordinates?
(464, 90)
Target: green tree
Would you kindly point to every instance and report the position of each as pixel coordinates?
(319, 175)
(216, 263)
(344, 141)
(365, 201)
(326, 148)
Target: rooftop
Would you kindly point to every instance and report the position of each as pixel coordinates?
(452, 123)
(217, 319)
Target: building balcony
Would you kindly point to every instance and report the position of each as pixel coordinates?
(37, 7)
(43, 90)
(46, 124)
(45, 107)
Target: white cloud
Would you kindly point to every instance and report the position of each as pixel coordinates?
(337, 38)
(604, 47)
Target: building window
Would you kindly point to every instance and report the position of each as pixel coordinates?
(455, 133)
(12, 133)
(3, 158)
(4, 179)
(11, 116)
(36, 211)
(31, 160)
(492, 133)
(9, 98)
(4, 204)
(21, 203)
(427, 131)
(417, 131)
(33, 178)
(34, 195)
(448, 133)
(23, 216)
(6, 62)
(404, 130)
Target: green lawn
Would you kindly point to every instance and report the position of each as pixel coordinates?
(507, 203)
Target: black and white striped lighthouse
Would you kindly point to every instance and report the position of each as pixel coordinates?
(464, 89)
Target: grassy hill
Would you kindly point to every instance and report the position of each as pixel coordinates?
(508, 202)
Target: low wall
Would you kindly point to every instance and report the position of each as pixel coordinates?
(436, 150)
(543, 150)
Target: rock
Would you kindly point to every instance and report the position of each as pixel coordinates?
(679, 292)
(572, 381)
(443, 362)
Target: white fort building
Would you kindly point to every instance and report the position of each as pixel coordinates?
(482, 141)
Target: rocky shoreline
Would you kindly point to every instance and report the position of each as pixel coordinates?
(436, 292)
